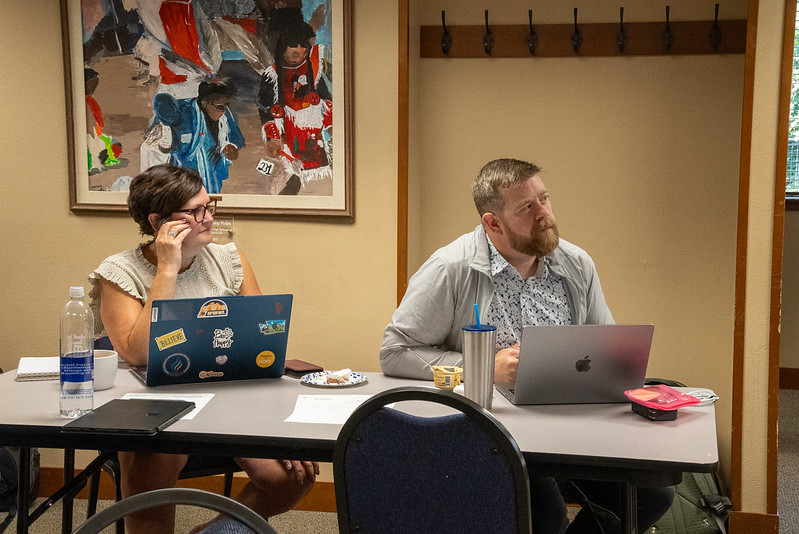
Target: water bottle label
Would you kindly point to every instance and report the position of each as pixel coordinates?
(77, 367)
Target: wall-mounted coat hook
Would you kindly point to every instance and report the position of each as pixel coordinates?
(715, 33)
(577, 35)
(446, 38)
(668, 33)
(488, 38)
(621, 37)
(532, 37)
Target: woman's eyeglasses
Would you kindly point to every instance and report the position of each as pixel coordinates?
(199, 213)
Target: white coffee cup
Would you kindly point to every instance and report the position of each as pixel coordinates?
(105, 369)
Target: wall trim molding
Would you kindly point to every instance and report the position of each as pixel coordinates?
(403, 144)
(742, 237)
(322, 497)
(747, 522)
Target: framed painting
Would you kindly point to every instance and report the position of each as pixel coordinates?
(253, 94)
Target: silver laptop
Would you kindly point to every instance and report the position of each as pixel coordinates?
(580, 364)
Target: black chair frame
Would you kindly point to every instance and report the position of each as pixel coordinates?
(186, 496)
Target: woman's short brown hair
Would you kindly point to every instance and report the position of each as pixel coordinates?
(162, 190)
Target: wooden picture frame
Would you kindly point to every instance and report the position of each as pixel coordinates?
(180, 81)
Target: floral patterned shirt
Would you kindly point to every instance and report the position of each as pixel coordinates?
(540, 300)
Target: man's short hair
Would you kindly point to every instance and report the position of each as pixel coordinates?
(497, 175)
(162, 189)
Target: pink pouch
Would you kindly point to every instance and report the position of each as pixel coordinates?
(659, 403)
(660, 397)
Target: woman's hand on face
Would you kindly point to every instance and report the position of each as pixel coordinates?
(168, 243)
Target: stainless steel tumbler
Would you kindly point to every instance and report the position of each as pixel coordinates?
(479, 348)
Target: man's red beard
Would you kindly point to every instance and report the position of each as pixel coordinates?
(543, 239)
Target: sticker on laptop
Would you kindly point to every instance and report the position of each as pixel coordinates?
(223, 338)
(221, 359)
(210, 374)
(176, 337)
(213, 308)
(176, 364)
(273, 327)
(265, 359)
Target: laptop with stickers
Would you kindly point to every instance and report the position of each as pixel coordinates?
(216, 339)
(580, 364)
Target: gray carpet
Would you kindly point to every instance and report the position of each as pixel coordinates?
(788, 462)
(294, 522)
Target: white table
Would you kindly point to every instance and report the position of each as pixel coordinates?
(246, 418)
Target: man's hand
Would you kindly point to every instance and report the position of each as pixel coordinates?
(506, 362)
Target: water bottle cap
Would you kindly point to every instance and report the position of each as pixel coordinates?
(76, 292)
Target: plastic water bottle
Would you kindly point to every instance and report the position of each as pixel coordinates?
(77, 356)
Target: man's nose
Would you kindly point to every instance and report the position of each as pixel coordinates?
(540, 210)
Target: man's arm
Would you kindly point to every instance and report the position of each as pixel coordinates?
(420, 325)
(598, 311)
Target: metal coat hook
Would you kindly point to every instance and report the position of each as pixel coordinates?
(577, 35)
(621, 37)
(532, 37)
(715, 33)
(668, 34)
(446, 38)
(488, 38)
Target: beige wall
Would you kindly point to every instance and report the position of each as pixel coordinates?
(641, 156)
(640, 153)
(342, 275)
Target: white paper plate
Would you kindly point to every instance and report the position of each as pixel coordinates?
(320, 379)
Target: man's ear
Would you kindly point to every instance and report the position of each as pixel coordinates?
(491, 222)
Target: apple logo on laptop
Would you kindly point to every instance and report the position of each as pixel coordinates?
(583, 365)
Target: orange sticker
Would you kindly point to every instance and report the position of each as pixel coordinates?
(265, 359)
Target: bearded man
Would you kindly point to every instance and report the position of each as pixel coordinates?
(517, 269)
(513, 265)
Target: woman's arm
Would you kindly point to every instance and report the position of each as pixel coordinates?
(126, 319)
(249, 285)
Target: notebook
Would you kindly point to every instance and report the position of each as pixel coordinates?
(216, 339)
(580, 364)
(143, 417)
(38, 368)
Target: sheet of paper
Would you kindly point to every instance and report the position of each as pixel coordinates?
(199, 399)
(325, 409)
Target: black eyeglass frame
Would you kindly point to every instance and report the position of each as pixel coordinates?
(210, 207)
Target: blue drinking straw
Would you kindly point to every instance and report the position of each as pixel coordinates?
(477, 315)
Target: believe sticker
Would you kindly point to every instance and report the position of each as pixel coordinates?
(176, 337)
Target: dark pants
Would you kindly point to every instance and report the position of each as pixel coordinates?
(549, 499)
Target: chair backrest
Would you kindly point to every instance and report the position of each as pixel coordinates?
(193, 497)
(397, 472)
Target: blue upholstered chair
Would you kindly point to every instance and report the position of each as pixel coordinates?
(396, 472)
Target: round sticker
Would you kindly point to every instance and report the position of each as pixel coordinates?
(265, 359)
(176, 364)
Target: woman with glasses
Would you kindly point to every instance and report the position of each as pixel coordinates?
(170, 204)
